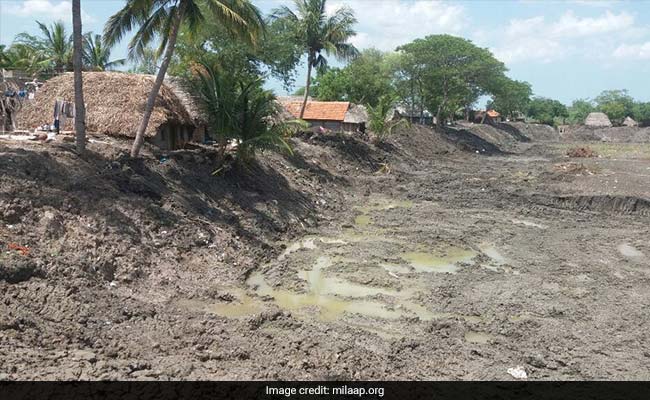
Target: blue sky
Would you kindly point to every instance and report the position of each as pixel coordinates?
(565, 49)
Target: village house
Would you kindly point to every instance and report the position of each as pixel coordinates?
(115, 103)
(630, 122)
(339, 116)
(598, 120)
(488, 117)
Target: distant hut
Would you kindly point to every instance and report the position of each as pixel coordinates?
(355, 118)
(630, 122)
(598, 120)
(488, 117)
(339, 116)
(115, 104)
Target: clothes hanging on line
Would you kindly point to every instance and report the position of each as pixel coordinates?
(62, 110)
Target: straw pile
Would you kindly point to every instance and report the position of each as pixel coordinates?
(115, 103)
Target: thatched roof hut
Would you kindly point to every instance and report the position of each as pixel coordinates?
(597, 119)
(356, 114)
(630, 122)
(115, 103)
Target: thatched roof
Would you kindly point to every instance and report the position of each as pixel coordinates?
(115, 104)
(356, 114)
(597, 119)
(630, 122)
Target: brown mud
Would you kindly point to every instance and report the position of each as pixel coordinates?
(412, 259)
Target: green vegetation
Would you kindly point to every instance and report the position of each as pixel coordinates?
(165, 19)
(450, 72)
(96, 56)
(379, 120)
(547, 111)
(365, 80)
(316, 33)
(241, 111)
(49, 52)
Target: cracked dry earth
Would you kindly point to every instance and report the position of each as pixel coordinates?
(461, 268)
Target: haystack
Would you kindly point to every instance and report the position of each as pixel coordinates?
(598, 119)
(630, 122)
(115, 104)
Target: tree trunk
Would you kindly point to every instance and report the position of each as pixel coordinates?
(151, 100)
(80, 107)
(310, 61)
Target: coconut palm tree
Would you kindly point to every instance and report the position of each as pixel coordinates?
(54, 44)
(77, 62)
(319, 33)
(163, 18)
(96, 55)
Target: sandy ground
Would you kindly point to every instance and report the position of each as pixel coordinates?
(407, 260)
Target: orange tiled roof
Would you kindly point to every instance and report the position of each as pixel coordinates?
(319, 110)
(493, 114)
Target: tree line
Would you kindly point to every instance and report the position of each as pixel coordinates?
(226, 50)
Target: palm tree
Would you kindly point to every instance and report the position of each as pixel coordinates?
(319, 33)
(96, 55)
(54, 44)
(22, 57)
(77, 61)
(163, 18)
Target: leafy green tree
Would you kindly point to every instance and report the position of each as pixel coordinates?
(546, 111)
(617, 104)
(579, 110)
(641, 111)
(54, 46)
(365, 80)
(453, 72)
(97, 56)
(164, 19)
(317, 33)
(273, 54)
(511, 96)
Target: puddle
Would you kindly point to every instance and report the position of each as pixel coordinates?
(446, 263)
(528, 223)
(362, 220)
(383, 206)
(478, 337)
(302, 244)
(244, 306)
(629, 251)
(396, 269)
(498, 262)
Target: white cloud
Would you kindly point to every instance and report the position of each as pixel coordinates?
(46, 10)
(571, 25)
(537, 39)
(639, 51)
(386, 24)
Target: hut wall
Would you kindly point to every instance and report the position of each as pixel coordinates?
(172, 136)
(336, 126)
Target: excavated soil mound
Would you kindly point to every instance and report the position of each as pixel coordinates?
(581, 152)
(620, 134)
(535, 132)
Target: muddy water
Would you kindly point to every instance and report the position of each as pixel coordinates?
(446, 262)
(361, 277)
